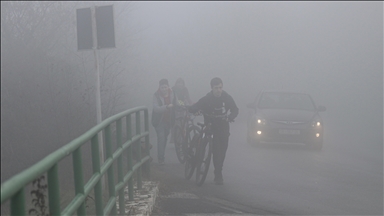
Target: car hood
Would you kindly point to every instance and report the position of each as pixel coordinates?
(288, 115)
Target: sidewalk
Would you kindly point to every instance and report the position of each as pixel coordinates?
(144, 199)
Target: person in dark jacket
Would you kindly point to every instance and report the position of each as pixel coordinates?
(162, 116)
(217, 102)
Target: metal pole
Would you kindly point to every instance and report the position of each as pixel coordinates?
(98, 100)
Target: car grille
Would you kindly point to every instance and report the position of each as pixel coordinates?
(288, 122)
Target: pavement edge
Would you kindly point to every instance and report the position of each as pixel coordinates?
(143, 201)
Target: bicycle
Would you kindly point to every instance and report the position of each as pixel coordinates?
(182, 123)
(192, 136)
(200, 150)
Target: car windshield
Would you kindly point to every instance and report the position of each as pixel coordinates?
(276, 100)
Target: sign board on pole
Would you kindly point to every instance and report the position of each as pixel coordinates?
(96, 30)
(105, 27)
(84, 29)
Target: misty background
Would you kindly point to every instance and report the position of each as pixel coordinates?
(331, 50)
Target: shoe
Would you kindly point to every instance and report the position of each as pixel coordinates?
(218, 179)
(219, 182)
(161, 162)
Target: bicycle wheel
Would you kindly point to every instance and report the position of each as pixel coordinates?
(192, 137)
(178, 140)
(203, 158)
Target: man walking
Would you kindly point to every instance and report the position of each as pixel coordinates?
(217, 102)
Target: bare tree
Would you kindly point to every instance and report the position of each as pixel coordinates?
(43, 96)
(47, 86)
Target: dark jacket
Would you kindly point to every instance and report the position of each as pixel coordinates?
(216, 106)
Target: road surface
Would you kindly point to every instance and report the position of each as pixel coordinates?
(345, 178)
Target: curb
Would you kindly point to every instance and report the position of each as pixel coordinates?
(143, 199)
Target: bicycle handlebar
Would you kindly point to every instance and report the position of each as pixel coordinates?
(181, 107)
(222, 116)
(201, 112)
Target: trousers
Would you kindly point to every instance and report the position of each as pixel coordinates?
(162, 131)
(219, 148)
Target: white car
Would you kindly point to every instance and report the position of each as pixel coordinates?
(285, 117)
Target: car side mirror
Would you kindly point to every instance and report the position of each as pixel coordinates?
(321, 108)
(251, 105)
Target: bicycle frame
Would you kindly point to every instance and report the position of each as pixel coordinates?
(203, 153)
(199, 156)
(180, 130)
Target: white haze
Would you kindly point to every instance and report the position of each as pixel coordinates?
(332, 50)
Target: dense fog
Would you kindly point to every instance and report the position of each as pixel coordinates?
(331, 50)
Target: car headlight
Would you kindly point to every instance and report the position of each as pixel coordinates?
(260, 121)
(316, 123)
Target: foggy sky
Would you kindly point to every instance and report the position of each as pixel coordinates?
(332, 50)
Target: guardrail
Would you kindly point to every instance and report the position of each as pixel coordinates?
(14, 188)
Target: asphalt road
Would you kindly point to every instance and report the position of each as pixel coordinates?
(345, 178)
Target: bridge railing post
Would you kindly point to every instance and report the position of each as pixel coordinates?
(13, 190)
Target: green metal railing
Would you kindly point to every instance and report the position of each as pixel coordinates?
(14, 188)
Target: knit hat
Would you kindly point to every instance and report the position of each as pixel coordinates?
(163, 82)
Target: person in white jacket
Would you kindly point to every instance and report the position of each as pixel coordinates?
(162, 117)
